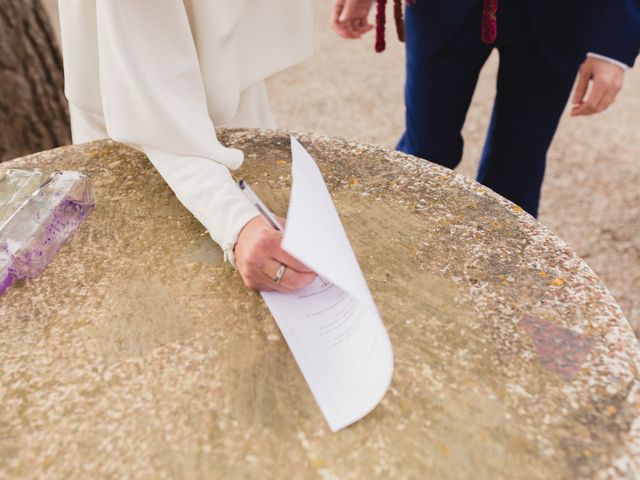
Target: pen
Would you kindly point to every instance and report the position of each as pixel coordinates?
(259, 204)
(266, 213)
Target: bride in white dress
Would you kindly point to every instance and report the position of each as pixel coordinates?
(159, 74)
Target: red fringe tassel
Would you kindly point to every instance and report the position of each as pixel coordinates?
(489, 23)
(397, 14)
(380, 21)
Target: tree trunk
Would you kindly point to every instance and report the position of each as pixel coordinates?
(33, 110)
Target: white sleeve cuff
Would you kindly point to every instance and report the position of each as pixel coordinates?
(623, 66)
(239, 222)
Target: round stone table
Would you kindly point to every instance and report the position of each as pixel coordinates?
(138, 353)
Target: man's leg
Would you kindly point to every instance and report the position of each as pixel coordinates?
(439, 88)
(529, 103)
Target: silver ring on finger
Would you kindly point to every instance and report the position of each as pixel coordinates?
(280, 273)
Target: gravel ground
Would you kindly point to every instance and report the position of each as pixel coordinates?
(591, 197)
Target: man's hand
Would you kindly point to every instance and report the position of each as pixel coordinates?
(350, 17)
(606, 81)
(258, 257)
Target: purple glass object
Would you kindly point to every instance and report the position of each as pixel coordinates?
(6, 277)
(36, 231)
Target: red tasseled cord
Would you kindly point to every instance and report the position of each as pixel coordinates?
(380, 21)
(397, 14)
(489, 24)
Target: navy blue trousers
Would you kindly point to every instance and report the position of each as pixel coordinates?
(529, 101)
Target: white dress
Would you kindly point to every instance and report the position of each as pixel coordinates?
(159, 74)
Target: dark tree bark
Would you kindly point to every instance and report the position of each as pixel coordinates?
(33, 110)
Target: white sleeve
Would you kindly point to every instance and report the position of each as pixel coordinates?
(153, 95)
(623, 66)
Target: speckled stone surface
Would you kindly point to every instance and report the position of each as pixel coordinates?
(139, 354)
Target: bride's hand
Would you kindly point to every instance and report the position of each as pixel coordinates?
(350, 17)
(259, 255)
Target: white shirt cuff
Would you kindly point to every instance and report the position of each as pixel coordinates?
(239, 222)
(623, 66)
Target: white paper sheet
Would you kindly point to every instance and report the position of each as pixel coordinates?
(332, 326)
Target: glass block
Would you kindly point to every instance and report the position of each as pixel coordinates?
(6, 276)
(41, 225)
(15, 186)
